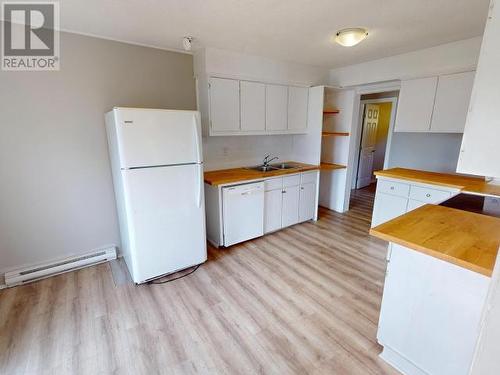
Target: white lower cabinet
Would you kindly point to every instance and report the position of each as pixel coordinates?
(307, 202)
(290, 200)
(290, 210)
(235, 213)
(387, 207)
(272, 210)
(395, 198)
(413, 205)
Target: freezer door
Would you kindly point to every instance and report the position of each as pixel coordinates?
(166, 212)
(148, 137)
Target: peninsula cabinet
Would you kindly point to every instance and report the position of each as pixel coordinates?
(430, 313)
(397, 197)
(434, 104)
(240, 107)
(479, 154)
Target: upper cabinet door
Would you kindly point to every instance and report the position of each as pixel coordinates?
(452, 102)
(297, 108)
(276, 107)
(416, 102)
(253, 106)
(224, 105)
(479, 153)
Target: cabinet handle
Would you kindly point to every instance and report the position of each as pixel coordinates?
(392, 187)
(428, 195)
(283, 191)
(302, 188)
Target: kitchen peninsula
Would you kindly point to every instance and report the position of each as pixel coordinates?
(439, 266)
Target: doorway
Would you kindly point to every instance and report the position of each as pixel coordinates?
(373, 148)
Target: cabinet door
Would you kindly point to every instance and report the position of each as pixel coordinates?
(297, 108)
(272, 210)
(415, 105)
(276, 107)
(387, 207)
(224, 105)
(290, 211)
(452, 102)
(307, 202)
(479, 151)
(413, 205)
(431, 312)
(253, 106)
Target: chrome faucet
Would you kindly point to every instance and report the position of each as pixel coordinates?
(266, 160)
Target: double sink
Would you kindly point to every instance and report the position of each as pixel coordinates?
(273, 167)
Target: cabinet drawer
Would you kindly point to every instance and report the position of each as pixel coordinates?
(293, 180)
(273, 183)
(309, 177)
(393, 188)
(428, 195)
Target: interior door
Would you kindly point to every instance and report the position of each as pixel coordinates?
(166, 219)
(368, 142)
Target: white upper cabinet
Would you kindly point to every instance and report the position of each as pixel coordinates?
(239, 107)
(224, 105)
(479, 153)
(276, 108)
(452, 102)
(253, 106)
(416, 102)
(297, 108)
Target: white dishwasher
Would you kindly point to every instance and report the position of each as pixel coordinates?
(243, 211)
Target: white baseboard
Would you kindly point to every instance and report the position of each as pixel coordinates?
(400, 363)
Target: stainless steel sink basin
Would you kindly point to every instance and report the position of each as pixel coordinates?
(284, 166)
(262, 168)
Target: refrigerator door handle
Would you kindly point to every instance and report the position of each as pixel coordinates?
(200, 184)
(197, 137)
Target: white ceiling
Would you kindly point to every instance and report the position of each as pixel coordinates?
(292, 30)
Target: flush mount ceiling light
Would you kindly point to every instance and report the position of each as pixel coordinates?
(350, 37)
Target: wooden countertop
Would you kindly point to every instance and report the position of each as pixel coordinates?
(463, 238)
(475, 185)
(227, 176)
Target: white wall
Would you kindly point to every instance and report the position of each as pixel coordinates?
(56, 193)
(447, 58)
(427, 151)
(235, 151)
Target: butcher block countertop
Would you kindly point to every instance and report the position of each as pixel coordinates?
(228, 176)
(475, 185)
(463, 238)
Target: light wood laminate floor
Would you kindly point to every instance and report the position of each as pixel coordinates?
(304, 300)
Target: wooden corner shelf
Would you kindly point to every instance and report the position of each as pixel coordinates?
(331, 166)
(331, 134)
(331, 111)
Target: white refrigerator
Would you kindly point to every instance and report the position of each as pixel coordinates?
(157, 165)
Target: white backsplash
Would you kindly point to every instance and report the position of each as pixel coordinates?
(238, 151)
